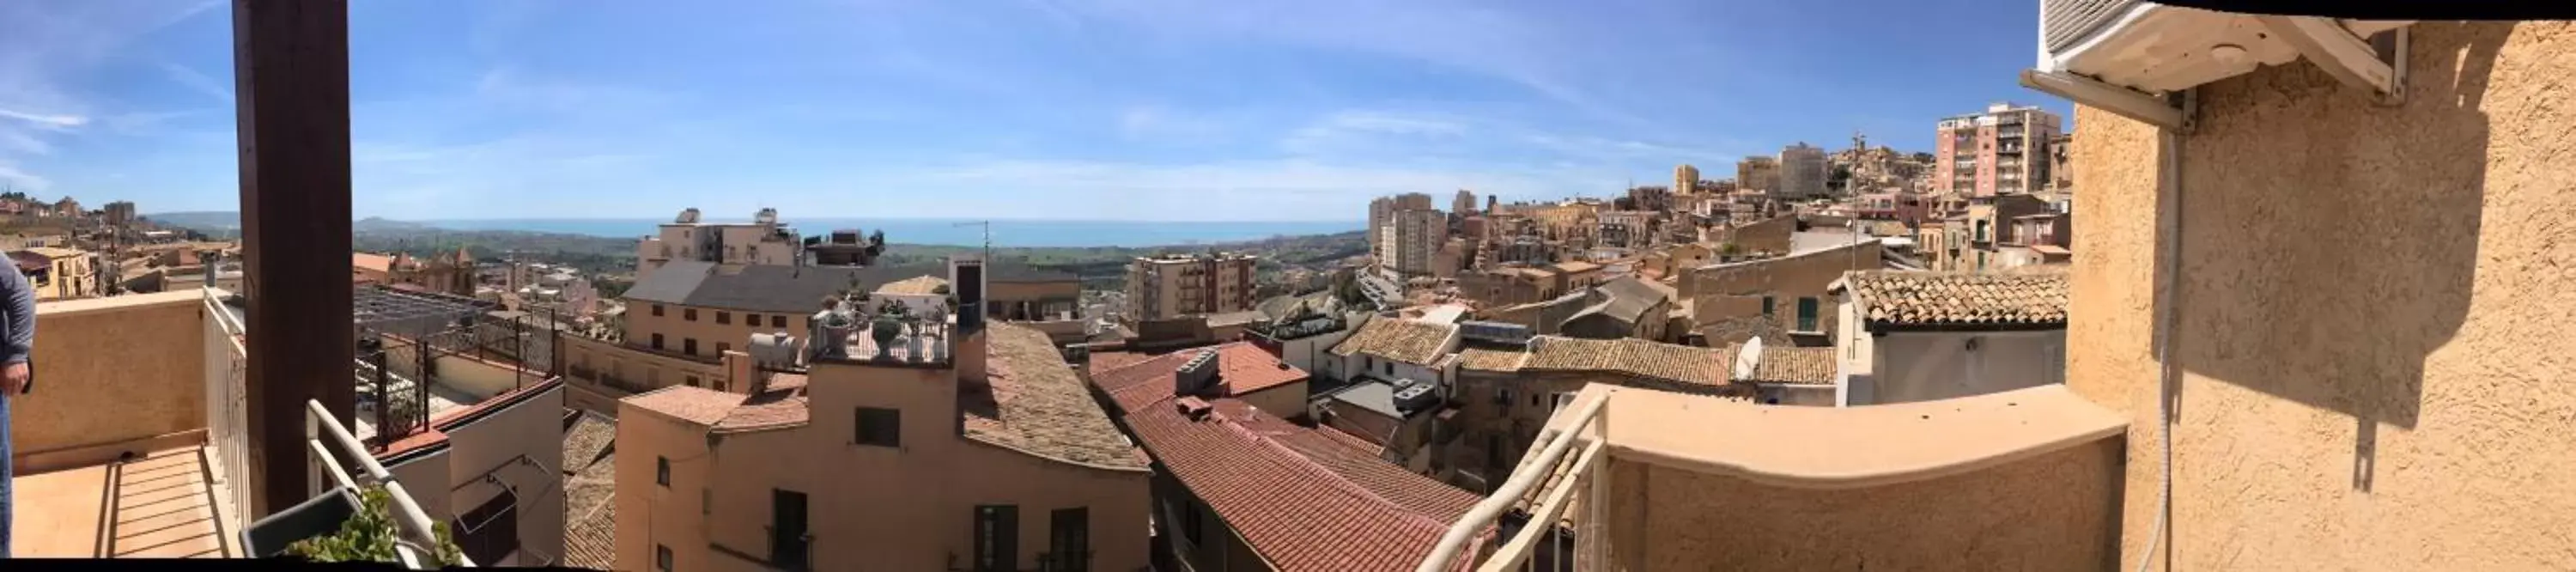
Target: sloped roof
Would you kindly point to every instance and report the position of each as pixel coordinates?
(1295, 499)
(1242, 369)
(696, 405)
(2034, 300)
(923, 284)
(1633, 356)
(1795, 365)
(1401, 340)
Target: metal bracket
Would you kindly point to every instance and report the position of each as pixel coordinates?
(2126, 102)
(2350, 59)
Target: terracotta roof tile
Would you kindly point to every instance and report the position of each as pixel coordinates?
(1242, 369)
(1632, 356)
(688, 403)
(1039, 406)
(1301, 501)
(590, 541)
(1481, 359)
(1919, 298)
(1105, 361)
(1795, 365)
(1406, 341)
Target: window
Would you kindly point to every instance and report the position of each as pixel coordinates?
(662, 471)
(689, 346)
(662, 558)
(752, 320)
(490, 532)
(1190, 521)
(693, 381)
(788, 536)
(657, 341)
(1502, 396)
(1533, 399)
(657, 310)
(690, 314)
(724, 318)
(1390, 368)
(706, 501)
(1766, 306)
(778, 321)
(722, 347)
(1069, 541)
(997, 538)
(1807, 314)
(879, 426)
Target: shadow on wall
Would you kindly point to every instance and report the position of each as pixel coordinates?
(2329, 244)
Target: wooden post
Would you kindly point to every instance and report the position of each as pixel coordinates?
(291, 72)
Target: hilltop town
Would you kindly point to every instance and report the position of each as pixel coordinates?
(1833, 359)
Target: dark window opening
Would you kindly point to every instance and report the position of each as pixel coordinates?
(997, 538)
(490, 532)
(880, 427)
(1068, 541)
(690, 314)
(724, 318)
(722, 347)
(1807, 310)
(657, 310)
(662, 471)
(689, 346)
(657, 341)
(789, 544)
(1766, 306)
(662, 558)
(777, 321)
(752, 320)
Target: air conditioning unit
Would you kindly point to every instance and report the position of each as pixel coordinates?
(2120, 55)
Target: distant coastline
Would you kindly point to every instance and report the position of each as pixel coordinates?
(937, 232)
(956, 232)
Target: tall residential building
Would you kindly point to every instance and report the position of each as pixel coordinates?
(1802, 172)
(1409, 239)
(1379, 208)
(1413, 201)
(2006, 150)
(119, 213)
(1685, 180)
(1758, 174)
(1464, 205)
(1165, 287)
(733, 245)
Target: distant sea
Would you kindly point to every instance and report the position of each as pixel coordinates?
(1006, 233)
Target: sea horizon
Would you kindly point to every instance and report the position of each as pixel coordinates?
(950, 232)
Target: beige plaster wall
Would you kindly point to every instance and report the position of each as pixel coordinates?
(2373, 323)
(113, 369)
(2050, 512)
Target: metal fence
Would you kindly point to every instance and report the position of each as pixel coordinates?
(227, 413)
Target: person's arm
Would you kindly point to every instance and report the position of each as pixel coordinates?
(22, 317)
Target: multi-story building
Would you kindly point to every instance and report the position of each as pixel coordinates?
(1989, 229)
(2005, 150)
(1909, 336)
(1802, 172)
(845, 247)
(1410, 239)
(1685, 180)
(119, 213)
(988, 454)
(1464, 204)
(1166, 287)
(59, 273)
(763, 241)
(448, 274)
(1758, 174)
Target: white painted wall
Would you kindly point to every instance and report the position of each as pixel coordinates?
(1925, 366)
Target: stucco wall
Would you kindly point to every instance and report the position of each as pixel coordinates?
(2372, 322)
(113, 369)
(593, 361)
(2049, 512)
(492, 445)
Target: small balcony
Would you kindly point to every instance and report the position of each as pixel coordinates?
(1634, 479)
(135, 442)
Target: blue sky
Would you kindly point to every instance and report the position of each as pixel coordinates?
(1111, 109)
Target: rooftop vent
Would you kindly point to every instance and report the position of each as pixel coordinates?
(1411, 396)
(1193, 408)
(1195, 375)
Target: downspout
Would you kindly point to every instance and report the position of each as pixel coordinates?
(2169, 159)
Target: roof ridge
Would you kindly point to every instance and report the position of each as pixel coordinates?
(1332, 479)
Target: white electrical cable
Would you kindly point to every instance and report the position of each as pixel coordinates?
(2170, 149)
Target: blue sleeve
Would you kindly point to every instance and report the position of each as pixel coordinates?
(21, 314)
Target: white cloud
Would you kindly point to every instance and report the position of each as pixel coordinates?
(202, 83)
(56, 122)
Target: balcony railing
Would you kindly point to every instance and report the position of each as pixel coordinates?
(322, 434)
(227, 412)
(1545, 492)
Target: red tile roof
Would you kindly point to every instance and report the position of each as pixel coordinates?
(1303, 500)
(1242, 369)
(1103, 361)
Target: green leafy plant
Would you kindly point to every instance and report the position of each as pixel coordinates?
(369, 536)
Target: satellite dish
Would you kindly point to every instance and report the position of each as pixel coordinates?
(1748, 359)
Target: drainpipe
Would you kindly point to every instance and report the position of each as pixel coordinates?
(2169, 159)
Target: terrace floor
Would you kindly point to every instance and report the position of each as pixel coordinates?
(157, 505)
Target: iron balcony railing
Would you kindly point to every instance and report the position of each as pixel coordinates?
(417, 537)
(1544, 482)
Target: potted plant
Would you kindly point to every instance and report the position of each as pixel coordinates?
(886, 328)
(333, 527)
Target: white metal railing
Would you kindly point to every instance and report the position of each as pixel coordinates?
(227, 418)
(1546, 464)
(322, 433)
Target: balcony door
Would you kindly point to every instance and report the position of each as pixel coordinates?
(788, 542)
(1069, 540)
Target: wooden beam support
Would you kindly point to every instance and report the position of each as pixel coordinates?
(291, 70)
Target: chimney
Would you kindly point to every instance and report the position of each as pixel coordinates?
(740, 376)
(967, 344)
(1195, 375)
